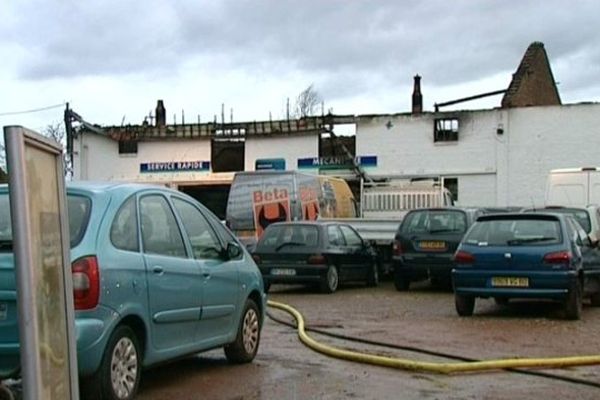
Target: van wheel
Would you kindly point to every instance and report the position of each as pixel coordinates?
(244, 348)
(401, 282)
(119, 374)
(464, 305)
(331, 280)
(573, 302)
(373, 277)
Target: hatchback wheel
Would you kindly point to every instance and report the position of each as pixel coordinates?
(245, 346)
(331, 280)
(373, 277)
(119, 374)
(401, 282)
(573, 302)
(464, 305)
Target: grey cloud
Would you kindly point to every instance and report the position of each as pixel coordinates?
(356, 42)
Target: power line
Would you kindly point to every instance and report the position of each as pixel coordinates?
(32, 110)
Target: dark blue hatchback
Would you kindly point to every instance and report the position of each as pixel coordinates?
(531, 255)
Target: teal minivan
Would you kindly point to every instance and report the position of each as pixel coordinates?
(156, 276)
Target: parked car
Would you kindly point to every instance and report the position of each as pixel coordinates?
(425, 243)
(318, 252)
(156, 277)
(526, 255)
(588, 217)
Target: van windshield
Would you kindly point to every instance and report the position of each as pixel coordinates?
(79, 213)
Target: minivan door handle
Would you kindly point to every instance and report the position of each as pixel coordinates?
(157, 269)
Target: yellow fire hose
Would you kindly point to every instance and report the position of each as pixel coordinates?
(421, 366)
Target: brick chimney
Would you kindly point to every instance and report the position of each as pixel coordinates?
(417, 98)
(161, 114)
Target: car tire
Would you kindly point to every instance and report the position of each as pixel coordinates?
(244, 348)
(501, 301)
(331, 280)
(401, 282)
(465, 305)
(118, 376)
(573, 303)
(373, 277)
(595, 299)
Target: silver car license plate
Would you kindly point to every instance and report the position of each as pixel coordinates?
(283, 271)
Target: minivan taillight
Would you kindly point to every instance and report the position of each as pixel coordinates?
(317, 260)
(463, 257)
(558, 257)
(397, 248)
(86, 283)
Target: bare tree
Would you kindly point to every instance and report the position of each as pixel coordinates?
(57, 132)
(307, 102)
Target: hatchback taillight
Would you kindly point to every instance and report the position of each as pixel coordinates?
(397, 248)
(86, 283)
(317, 260)
(256, 258)
(463, 257)
(558, 257)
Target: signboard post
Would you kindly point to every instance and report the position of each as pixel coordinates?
(42, 265)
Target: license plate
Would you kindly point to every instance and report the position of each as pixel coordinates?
(283, 271)
(432, 245)
(508, 281)
(3, 311)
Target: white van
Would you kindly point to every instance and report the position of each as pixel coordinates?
(573, 187)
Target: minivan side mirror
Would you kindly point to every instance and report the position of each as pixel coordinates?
(233, 250)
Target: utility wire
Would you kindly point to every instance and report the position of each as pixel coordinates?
(32, 110)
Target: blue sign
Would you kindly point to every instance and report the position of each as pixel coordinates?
(175, 166)
(340, 162)
(269, 164)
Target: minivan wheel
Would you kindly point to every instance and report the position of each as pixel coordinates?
(401, 282)
(373, 277)
(244, 348)
(119, 374)
(331, 280)
(464, 305)
(573, 303)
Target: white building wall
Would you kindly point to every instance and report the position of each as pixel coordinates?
(508, 168)
(97, 158)
(290, 148)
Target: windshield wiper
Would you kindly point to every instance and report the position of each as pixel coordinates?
(530, 240)
(442, 230)
(282, 245)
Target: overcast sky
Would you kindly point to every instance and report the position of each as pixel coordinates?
(111, 60)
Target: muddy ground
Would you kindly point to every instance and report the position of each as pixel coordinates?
(422, 317)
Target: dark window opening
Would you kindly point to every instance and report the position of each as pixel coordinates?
(213, 197)
(452, 185)
(128, 147)
(445, 130)
(227, 155)
(334, 147)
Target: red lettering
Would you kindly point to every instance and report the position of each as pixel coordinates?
(258, 197)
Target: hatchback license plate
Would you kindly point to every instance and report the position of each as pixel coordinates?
(283, 271)
(3, 311)
(508, 281)
(432, 245)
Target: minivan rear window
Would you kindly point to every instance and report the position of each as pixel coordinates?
(286, 238)
(79, 208)
(434, 221)
(511, 232)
